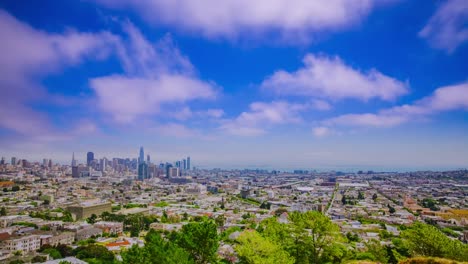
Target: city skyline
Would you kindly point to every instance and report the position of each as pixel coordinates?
(373, 84)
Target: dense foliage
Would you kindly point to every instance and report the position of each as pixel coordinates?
(301, 238)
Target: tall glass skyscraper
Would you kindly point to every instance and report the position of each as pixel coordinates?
(142, 166)
(89, 158)
(141, 159)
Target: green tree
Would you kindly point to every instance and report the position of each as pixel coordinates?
(15, 188)
(53, 253)
(3, 211)
(361, 195)
(378, 251)
(92, 219)
(39, 259)
(94, 252)
(220, 220)
(316, 232)
(157, 251)
(255, 249)
(374, 197)
(201, 240)
(426, 240)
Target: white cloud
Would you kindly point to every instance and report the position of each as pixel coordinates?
(185, 113)
(263, 115)
(321, 105)
(176, 130)
(27, 54)
(126, 98)
(321, 131)
(292, 20)
(445, 98)
(155, 75)
(213, 113)
(330, 77)
(448, 28)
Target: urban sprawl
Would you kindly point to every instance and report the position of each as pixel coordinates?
(124, 210)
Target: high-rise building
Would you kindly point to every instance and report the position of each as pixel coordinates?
(103, 164)
(13, 160)
(2, 162)
(50, 163)
(141, 158)
(188, 163)
(143, 171)
(185, 164)
(89, 158)
(45, 162)
(174, 172)
(73, 163)
(148, 159)
(177, 164)
(168, 168)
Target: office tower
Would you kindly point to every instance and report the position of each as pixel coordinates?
(188, 163)
(89, 158)
(177, 164)
(174, 172)
(143, 171)
(13, 160)
(168, 168)
(2, 162)
(50, 163)
(184, 164)
(73, 163)
(148, 159)
(45, 162)
(141, 158)
(103, 164)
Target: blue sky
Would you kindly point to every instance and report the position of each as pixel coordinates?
(237, 83)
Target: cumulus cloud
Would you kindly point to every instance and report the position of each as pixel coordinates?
(155, 75)
(448, 28)
(447, 98)
(27, 55)
(263, 115)
(292, 20)
(330, 77)
(125, 98)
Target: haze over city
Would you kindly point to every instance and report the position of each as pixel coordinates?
(367, 84)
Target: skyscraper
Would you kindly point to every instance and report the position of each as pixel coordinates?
(185, 164)
(188, 163)
(168, 169)
(89, 158)
(148, 159)
(103, 164)
(143, 171)
(141, 159)
(13, 160)
(2, 162)
(73, 163)
(45, 162)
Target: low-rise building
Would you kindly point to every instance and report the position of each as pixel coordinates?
(22, 243)
(110, 227)
(87, 233)
(64, 238)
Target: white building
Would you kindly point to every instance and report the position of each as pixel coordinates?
(23, 243)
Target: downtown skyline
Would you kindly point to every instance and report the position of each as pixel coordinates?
(375, 84)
